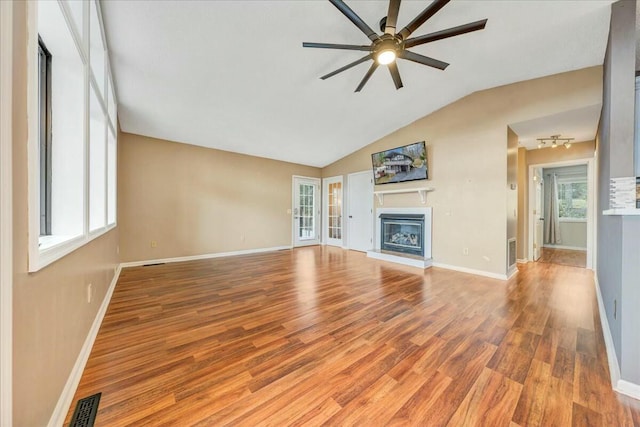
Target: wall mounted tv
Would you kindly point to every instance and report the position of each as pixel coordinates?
(408, 163)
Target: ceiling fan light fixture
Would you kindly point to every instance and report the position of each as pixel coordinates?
(386, 57)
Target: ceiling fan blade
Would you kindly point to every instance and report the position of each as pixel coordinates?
(366, 77)
(392, 17)
(353, 17)
(395, 74)
(449, 32)
(431, 10)
(346, 67)
(336, 46)
(421, 59)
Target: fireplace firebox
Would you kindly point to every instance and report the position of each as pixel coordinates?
(402, 233)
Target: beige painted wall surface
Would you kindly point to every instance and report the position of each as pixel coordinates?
(51, 316)
(512, 179)
(579, 151)
(192, 200)
(467, 158)
(523, 203)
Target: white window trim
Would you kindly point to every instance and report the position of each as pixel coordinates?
(40, 257)
(567, 219)
(6, 214)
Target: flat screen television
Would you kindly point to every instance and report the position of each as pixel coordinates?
(408, 163)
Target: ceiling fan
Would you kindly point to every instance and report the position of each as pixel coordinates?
(390, 45)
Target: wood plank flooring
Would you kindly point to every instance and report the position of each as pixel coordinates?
(324, 336)
(570, 257)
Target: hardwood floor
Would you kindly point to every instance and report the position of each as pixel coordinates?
(321, 335)
(570, 257)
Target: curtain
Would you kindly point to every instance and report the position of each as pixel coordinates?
(552, 213)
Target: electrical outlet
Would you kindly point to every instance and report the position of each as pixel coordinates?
(154, 244)
(465, 251)
(89, 292)
(242, 237)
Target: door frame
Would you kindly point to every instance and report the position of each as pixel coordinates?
(318, 183)
(6, 213)
(325, 210)
(348, 209)
(591, 206)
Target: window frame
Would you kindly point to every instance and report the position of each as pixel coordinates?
(568, 180)
(45, 148)
(46, 249)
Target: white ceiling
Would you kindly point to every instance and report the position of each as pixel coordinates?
(233, 75)
(581, 124)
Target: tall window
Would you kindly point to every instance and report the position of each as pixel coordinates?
(44, 107)
(72, 128)
(572, 195)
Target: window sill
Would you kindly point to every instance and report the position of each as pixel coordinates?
(53, 248)
(573, 220)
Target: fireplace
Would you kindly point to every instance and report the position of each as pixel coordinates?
(405, 237)
(402, 233)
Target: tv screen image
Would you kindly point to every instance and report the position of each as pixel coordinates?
(408, 163)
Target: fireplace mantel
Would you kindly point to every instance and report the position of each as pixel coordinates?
(421, 191)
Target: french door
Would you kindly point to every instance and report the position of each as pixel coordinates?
(306, 211)
(332, 220)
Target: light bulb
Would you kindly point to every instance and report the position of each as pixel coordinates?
(567, 145)
(386, 57)
(553, 144)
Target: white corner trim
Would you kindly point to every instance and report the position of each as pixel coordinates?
(513, 273)
(204, 256)
(614, 368)
(471, 271)
(628, 388)
(6, 214)
(66, 397)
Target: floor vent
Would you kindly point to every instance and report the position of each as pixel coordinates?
(151, 265)
(85, 412)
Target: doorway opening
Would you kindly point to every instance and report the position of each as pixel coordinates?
(562, 213)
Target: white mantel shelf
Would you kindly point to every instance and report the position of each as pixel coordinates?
(422, 191)
(630, 212)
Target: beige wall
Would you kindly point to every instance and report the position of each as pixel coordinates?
(523, 203)
(579, 151)
(467, 155)
(512, 184)
(192, 200)
(51, 316)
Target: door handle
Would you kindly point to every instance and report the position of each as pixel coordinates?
(350, 216)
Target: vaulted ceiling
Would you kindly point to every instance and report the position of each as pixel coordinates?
(233, 75)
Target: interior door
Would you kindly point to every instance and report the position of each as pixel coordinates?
(306, 211)
(538, 228)
(360, 218)
(332, 221)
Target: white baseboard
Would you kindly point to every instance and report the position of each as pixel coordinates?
(204, 256)
(572, 248)
(66, 397)
(522, 261)
(513, 273)
(621, 386)
(471, 271)
(612, 359)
